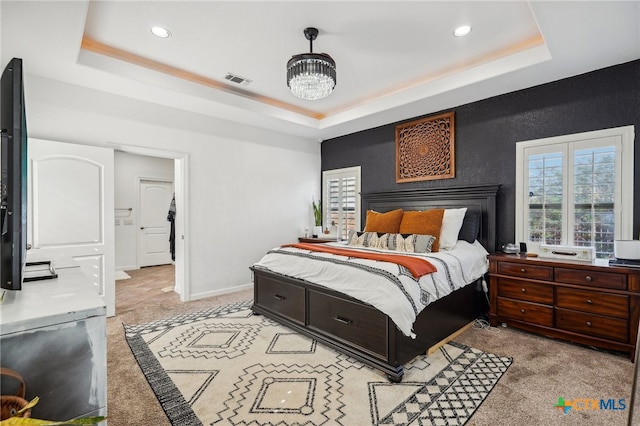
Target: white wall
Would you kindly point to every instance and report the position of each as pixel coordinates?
(129, 169)
(249, 189)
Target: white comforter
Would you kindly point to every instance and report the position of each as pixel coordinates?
(388, 287)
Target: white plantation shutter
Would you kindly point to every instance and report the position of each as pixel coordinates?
(341, 200)
(546, 183)
(576, 189)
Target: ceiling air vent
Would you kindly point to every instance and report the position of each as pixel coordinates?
(237, 79)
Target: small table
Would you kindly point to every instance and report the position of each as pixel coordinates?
(316, 240)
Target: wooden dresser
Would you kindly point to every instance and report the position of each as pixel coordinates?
(577, 301)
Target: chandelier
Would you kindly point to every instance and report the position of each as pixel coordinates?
(311, 75)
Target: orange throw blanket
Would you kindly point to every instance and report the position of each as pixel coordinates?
(417, 266)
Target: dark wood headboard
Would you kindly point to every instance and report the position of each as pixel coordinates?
(478, 198)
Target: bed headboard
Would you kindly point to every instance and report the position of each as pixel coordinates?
(478, 198)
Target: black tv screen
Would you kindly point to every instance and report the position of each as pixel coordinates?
(13, 186)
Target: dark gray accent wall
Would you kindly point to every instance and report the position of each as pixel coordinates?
(487, 131)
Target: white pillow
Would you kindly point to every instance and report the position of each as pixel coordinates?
(451, 224)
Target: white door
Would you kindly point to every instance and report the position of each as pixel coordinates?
(153, 241)
(71, 211)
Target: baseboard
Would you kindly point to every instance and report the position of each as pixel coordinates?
(220, 292)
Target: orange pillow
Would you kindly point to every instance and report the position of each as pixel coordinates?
(426, 222)
(387, 223)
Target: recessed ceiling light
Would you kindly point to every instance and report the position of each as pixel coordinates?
(160, 32)
(462, 31)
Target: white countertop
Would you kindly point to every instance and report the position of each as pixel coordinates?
(67, 298)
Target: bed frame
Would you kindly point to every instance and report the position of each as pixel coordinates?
(356, 328)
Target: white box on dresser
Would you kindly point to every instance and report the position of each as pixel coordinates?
(626, 249)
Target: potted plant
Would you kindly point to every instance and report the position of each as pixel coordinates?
(22, 417)
(317, 216)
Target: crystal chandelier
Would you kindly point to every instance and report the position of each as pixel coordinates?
(311, 75)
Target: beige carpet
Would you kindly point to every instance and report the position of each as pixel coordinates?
(543, 369)
(226, 365)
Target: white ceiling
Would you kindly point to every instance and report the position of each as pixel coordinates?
(395, 60)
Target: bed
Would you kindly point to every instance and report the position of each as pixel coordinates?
(358, 328)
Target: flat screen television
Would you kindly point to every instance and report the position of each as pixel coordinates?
(13, 179)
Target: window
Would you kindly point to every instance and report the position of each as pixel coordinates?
(576, 189)
(341, 200)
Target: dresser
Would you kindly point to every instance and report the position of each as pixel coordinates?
(53, 333)
(577, 301)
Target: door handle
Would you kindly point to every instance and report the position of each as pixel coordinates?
(142, 227)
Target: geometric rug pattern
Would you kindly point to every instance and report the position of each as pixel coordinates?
(226, 366)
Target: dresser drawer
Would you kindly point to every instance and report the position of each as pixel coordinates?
(351, 322)
(534, 272)
(284, 299)
(525, 311)
(613, 305)
(591, 278)
(523, 290)
(592, 324)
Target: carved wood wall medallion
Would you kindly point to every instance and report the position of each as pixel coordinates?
(425, 149)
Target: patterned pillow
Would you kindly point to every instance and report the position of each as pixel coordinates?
(407, 243)
(369, 239)
(382, 242)
(411, 243)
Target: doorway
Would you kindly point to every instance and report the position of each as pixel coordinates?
(153, 240)
(154, 229)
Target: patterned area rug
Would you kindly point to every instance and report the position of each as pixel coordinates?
(227, 366)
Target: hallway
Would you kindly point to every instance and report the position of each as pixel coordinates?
(152, 285)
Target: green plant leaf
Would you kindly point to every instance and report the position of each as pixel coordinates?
(29, 406)
(317, 212)
(28, 421)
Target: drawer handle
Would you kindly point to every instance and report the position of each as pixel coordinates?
(565, 253)
(524, 290)
(277, 296)
(523, 270)
(588, 278)
(342, 320)
(589, 301)
(589, 323)
(522, 310)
